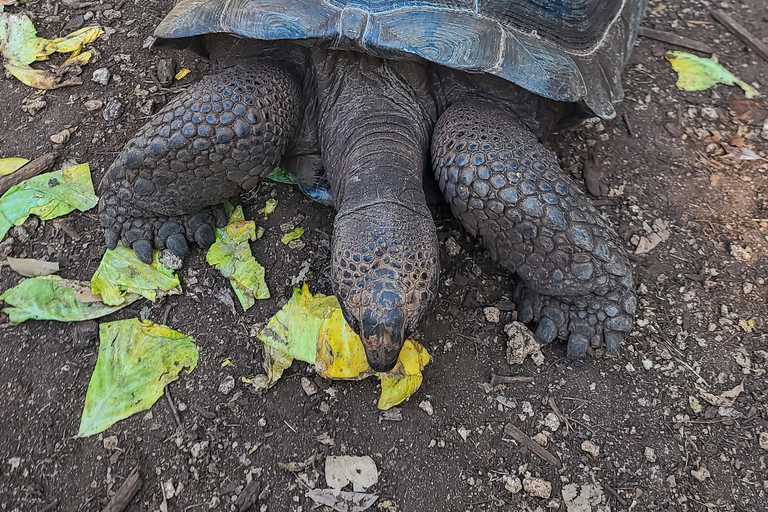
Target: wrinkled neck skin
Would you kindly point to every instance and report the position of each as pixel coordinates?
(375, 120)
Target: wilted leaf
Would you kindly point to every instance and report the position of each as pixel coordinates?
(182, 73)
(343, 501)
(54, 298)
(29, 267)
(280, 175)
(136, 361)
(121, 273)
(361, 472)
(725, 399)
(269, 207)
(48, 196)
(293, 235)
(20, 46)
(695, 404)
(698, 74)
(740, 153)
(275, 363)
(231, 255)
(312, 329)
(9, 165)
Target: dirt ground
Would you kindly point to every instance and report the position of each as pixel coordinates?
(701, 326)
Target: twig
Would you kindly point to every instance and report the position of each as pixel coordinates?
(615, 495)
(742, 33)
(50, 507)
(562, 417)
(125, 493)
(630, 131)
(669, 37)
(173, 409)
(522, 438)
(510, 379)
(30, 169)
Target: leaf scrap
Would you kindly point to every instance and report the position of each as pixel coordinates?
(121, 274)
(698, 74)
(292, 235)
(312, 329)
(280, 175)
(231, 255)
(48, 196)
(54, 298)
(9, 165)
(20, 47)
(30, 267)
(136, 361)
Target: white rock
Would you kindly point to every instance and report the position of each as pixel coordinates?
(709, 113)
(197, 449)
(227, 385)
(492, 314)
(700, 474)
(513, 484)
(764, 440)
(591, 448)
(552, 422)
(426, 406)
(308, 386)
(650, 454)
(537, 487)
(101, 76)
(452, 246)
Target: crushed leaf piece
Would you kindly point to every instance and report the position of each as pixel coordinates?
(54, 298)
(121, 273)
(136, 361)
(182, 73)
(698, 74)
(48, 196)
(312, 329)
(9, 165)
(292, 235)
(231, 255)
(280, 175)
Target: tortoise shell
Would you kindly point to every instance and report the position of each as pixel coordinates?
(566, 50)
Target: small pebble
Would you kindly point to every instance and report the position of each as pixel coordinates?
(513, 484)
(700, 474)
(426, 406)
(171, 260)
(764, 440)
(101, 76)
(650, 454)
(308, 386)
(709, 113)
(93, 104)
(113, 110)
(541, 439)
(537, 487)
(591, 448)
(227, 385)
(552, 422)
(452, 246)
(492, 314)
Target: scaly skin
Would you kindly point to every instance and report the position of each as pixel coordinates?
(208, 145)
(506, 188)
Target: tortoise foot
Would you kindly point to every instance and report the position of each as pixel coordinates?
(504, 186)
(144, 233)
(585, 321)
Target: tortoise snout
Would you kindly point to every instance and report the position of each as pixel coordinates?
(383, 332)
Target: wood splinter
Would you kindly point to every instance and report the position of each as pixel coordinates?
(510, 379)
(522, 438)
(125, 493)
(29, 170)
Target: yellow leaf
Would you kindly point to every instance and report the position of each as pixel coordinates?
(698, 74)
(293, 235)
(182, 73)
(9, 165)
(77, 60)
(312, 329)
(77, 39)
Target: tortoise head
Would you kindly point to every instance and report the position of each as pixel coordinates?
(386, 283)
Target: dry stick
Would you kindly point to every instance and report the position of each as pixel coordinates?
(125, 493)
(669, 37)
(522, 438)
(510, 379)
(26, 171)
(173, 410)
(754, 43)
(52, 505)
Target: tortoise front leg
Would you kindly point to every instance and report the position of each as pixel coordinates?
(211, 143)
(507, 188)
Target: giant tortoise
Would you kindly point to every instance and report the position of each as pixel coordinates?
(359, 98)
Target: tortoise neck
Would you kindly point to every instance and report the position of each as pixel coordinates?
(375, 120)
